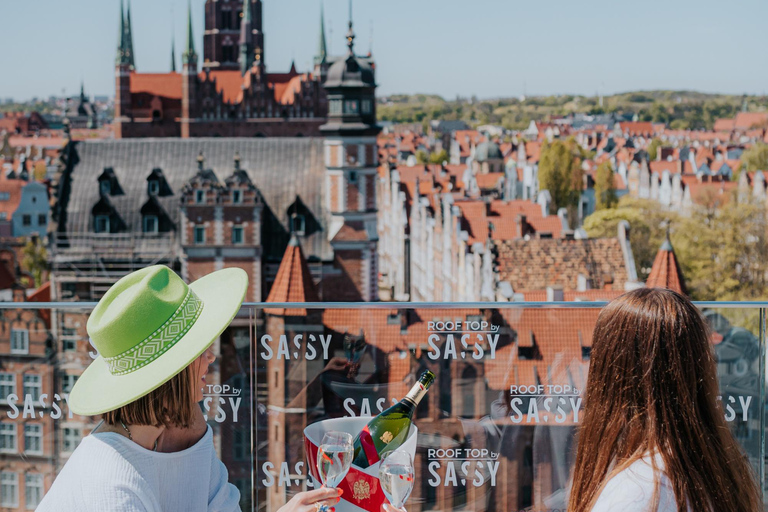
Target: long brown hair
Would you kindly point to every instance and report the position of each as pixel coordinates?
(652, 387)
(172, 404)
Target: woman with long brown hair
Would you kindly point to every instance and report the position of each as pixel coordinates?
(654, 436)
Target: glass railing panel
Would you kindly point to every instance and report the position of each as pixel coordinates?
(495, 431)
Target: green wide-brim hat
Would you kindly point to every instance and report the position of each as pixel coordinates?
(147, 328)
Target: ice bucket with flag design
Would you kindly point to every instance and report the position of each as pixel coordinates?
(362, 491)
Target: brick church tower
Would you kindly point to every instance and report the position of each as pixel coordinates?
(231, 25)
(350, 181)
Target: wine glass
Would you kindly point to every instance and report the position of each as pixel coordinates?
(396, 476)
(334, 458)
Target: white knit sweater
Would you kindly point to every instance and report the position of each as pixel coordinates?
(108, 472)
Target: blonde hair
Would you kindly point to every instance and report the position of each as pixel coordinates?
(172, 404)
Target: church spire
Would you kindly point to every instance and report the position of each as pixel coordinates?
(173, 54)
(351, 33)
(189, 57)
(121, 57)
(322, 49)
(129, 38)
(246, 38)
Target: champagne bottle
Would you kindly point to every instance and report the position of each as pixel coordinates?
(388, 430)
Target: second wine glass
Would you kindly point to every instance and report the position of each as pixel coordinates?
(396, 476)
(334, 458)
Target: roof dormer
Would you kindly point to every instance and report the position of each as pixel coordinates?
(108, 183)
(157, 185)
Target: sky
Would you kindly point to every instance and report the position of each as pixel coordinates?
(486, 48)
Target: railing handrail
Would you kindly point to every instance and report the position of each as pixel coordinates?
(400, 305)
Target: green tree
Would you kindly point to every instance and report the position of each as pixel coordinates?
(722, 252)
(653, 149)
(35, 260)
(605, 186)
(648, 228)
(756, 158)
(439, 157)
(422, 157)
(560, 173)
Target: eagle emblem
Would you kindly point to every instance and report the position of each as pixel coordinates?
(387, 437)
(361, 490)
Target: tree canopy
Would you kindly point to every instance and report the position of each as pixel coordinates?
(560, 173)
(605, 186)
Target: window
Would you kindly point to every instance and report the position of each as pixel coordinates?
(350, 106)
(70, 438)
(42, 219)
(228, 53)
(200, 196)
(237, 235)
(26, 220)
(33, 386)
(9, 489)
(153, 187)
(226, 20)
(237, 196)
(335, 107)
(241, 444)
(366, 106)
(199, 234)
(150, 224)
(101, 224)
(33, 438)
(68, 339)
(352, 177)
(33, 485)
(19, 341)
(105, 187)
(298, 225)
(3, 215)
(5, 196)
(8, 438)
(7, 385)
(68, 382)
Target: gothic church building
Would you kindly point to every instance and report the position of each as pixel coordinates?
(233, 96)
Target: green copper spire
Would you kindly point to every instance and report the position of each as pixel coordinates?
(173, 55)
(322, 50)
(190, 57)
(121, 57)
(246, 38)
(129, 38)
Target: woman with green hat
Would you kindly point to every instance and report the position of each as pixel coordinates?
(153, 451)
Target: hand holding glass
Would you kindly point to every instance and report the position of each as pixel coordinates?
(334, 458)
(396, 476)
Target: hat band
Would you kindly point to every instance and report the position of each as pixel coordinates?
(160, 341)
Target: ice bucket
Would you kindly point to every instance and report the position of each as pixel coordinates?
(362, 491)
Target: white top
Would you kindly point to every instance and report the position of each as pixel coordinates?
(108, 471)
(631, 490)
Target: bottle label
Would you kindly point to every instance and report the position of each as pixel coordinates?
(366, 440)
(416, 393)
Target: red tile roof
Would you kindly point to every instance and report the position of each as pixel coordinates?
(637, 128)
(293, 282)
(167, 85)
(747, 120)
(660, 166)
(725, 125)
(666, 272)
(13, 189)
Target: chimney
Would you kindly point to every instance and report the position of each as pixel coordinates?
(555, 293)
(582, 283)
(520, 220)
